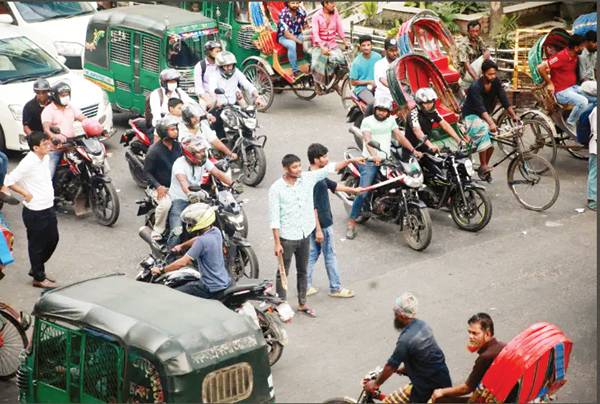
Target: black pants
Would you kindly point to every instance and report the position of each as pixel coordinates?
(300, 249)
(217, 126)
(198, 289)
(42, 238)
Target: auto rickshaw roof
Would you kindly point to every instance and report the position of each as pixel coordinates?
(184, 332)
(151, 18)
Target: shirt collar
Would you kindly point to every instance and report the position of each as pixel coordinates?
(486, 345)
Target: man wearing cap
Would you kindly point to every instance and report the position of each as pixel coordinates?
(416, 349)
(391, 53)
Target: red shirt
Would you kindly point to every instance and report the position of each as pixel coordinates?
(563, 69)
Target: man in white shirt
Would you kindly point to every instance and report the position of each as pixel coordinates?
(204, 69)
(32, 180)
(159, 98)
(195, 125)
(391, 53)
(593, 162)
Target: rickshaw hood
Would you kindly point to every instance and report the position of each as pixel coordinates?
(184, 332)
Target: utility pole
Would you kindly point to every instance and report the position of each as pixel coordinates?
(495, 17)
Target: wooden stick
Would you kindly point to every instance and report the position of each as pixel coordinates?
(283, 276)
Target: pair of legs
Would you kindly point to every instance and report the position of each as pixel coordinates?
(175, 223)
(42, 239)
(325, 247)
(291, 47)
(300, 250)
(323, 66)
(479, 131)
(592, 181)
(198, 289)
(576, 97)
(368, 172)
(55, 157)
(161, 214)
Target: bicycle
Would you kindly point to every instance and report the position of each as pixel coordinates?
(526, 169)
(13, 339)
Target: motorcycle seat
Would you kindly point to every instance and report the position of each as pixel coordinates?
(240, 286)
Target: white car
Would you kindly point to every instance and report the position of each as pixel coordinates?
(22, 62)
(57, 25)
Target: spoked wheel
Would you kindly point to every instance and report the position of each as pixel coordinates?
(533, 181)
(270, 325)
(475, 214)
(245, 264)
(105, 203)
(254, 166)
(537, 137)
(346, 94)
(305, 88)
(418, 230)
(12, 340)
(261, 79)
(353, 182)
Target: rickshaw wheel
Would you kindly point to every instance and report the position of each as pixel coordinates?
(261, 79)
(305, 89)
(14, 340)
(346, 94)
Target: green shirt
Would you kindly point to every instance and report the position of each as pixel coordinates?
(468, 52)
(381, 131)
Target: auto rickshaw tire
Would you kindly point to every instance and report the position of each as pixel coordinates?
(21, 333)
(268, 93)
(269, 322)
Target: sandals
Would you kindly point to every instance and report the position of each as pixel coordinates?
(485, 175)
(308, 311)
(342, 293)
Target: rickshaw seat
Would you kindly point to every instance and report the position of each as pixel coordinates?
(282, 50)
(450, 75)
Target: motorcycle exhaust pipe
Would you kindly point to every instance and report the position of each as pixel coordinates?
(344, 198)
(145, 233)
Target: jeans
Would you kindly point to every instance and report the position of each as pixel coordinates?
(175, 223)
(300, 249)
(576, 97)
(592, 179)
(55, 157)
(291, 48)
(368, 172)
(198, 289)
(42, 239)
(326, 246)
(3, 167)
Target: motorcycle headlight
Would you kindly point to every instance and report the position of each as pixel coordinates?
(250, 123)
(414, 181)
(469, 167)
(229, 118)
(236, 220)
(68, 48)
(97, 160)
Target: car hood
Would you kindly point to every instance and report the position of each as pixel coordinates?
(63, 29)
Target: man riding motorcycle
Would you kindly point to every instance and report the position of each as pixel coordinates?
(196, 126)
(204, 69)
(159, 98)
(379, 127)
(206, 249)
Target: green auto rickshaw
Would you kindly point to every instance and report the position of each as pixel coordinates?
(127, 47)
(112, 339)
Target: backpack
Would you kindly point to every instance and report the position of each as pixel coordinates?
(584, 128)
(203, 67)
(148, 111)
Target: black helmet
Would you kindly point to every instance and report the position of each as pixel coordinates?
(189, 111)
(41, 85)
(210, 45)
(164, 124)
(58, 88)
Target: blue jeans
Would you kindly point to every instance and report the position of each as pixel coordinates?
(55, 157)
(576, 97)
(291, 48)
(3, 167)
(592, 179)
(368, 172)
(326, 246)
(175, 223)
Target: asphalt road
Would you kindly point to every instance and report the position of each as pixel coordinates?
(523, 268)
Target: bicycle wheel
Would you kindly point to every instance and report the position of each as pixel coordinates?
(533, 181)
(12, 340)
(537, 137)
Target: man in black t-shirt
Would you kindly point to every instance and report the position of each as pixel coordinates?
(32, 111)
(321, 239)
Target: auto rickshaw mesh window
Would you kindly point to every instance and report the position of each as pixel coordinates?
(150, 53)
(230, 384)
(101, 369)
(51, 355)
(120, 47)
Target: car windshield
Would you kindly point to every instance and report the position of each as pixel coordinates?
(21, 59)
(34, 11)
(186, 49)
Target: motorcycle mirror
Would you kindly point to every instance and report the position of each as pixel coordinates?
(375, 144)
(219, 91)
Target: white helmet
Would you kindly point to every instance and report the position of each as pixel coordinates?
(223, 59)
(168, 75)
(424, 95)
(383, 103)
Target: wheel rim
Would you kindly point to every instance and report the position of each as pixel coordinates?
(102, 202)
(415, 227)
(241, 267)
(305, 89)
(534, 182)
(473, 208)
(259, 77)
(346, 95)
(11, 344)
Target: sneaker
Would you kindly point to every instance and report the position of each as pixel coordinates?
(312, 291)
(351, 232)
(342, 293)
(45, 284)
(591, 205)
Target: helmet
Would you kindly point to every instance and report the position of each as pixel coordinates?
(191, 110)
(198, 216)
(223, 59)
(383, 103)
(58, 88)
(210, 45)
(169, 75)
(424, 95)
(164, 124)
(92, 127)
(41, 85)
(193, 146)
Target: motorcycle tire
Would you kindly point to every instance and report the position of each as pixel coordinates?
(461, 218)
(137, 171)
(254, 167)
(244, 233)
(15, 340)
(245, 264)
(418, 229)
(353, 182)
(100, 197)
(269, 323)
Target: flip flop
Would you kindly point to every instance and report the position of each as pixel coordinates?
(307, 311)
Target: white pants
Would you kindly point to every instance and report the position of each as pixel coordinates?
(161, 213)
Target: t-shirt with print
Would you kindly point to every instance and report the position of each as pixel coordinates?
(363, 69)
(193, 174)
(381, 131)
(207, 250)
(421, 120)
(563, 70)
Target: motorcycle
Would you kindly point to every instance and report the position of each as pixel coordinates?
(393, 197)
(138, 140)
(448, 180)
(266, 315)
(81, 182)
(239, 125)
